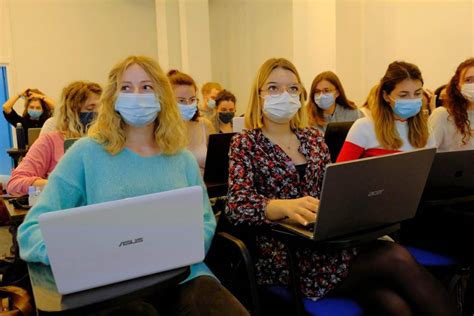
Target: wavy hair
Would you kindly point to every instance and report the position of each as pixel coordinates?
(315, 113)
(46, 110)
(178, 78)
(72, 98)
(383, 115)
(254, 113)
(109, 127)
(457, 104)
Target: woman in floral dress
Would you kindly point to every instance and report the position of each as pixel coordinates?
(276, 171)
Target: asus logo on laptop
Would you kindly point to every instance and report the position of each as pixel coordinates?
(375, 193)
(131, 242)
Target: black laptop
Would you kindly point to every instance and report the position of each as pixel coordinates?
(379, 193)
(216, 170)
(335, 136)
(451, 176)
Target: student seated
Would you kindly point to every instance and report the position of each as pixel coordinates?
(275, 171)
(225, 112)
(209, 93)
(453, 123)
(328, 102)
(136, 146)
(79, 102)
(38, 108)
(396, 123)
(198, 127)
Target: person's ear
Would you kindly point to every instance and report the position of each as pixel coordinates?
(386, 97)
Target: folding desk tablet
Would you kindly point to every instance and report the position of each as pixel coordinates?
(216, 170)
(334, 137)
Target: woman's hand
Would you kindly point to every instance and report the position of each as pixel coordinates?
(34, 95)
(302, 210)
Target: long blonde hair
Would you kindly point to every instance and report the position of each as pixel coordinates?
(72, 98)
(109, 128)
(254, 113)
(382, 112)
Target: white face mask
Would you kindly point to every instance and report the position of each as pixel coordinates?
(467, 91)
(281, 108)
(137, 109)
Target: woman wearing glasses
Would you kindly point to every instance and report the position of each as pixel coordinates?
(198, 127)
(276, 168)
(328, 102)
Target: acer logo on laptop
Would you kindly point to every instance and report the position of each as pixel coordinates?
(375, 193)
(131, 242)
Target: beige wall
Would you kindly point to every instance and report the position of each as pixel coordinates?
(244, 33)
(49, 43)
(55, 42)
(355, 38)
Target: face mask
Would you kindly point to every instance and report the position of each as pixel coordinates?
(324, 100)
(34, 114)
(406, 108)
(187, 111)
(226, 117)
(281, 108)
(467, 91)
(86, 118)
(137, 109)
(211, 103)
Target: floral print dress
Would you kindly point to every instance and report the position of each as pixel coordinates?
(260, 171)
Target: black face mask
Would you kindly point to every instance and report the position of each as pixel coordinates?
(226, 117)
(86, 118)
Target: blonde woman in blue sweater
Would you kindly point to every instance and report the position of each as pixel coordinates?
(136, 147)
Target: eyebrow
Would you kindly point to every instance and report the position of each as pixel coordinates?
(140, 81)
(404, 91)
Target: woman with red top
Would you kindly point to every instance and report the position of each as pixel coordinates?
(275, 171)
(396, 123)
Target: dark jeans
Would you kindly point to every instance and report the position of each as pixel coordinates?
(201, 296)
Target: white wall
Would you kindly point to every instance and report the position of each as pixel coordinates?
(355, 38)
(55, 42)
(245, 33)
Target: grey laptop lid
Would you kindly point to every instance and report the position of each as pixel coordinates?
(109, 242)
(33, 134)
(369, 193)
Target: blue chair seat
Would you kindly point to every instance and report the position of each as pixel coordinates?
(327, 306)
(428, 258)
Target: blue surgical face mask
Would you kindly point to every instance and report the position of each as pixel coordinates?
(34, 114)
(86, 118)
(187, 111)
(406, 108)
(226, 117)
(324, 100)
(211, 103)
(137, 109)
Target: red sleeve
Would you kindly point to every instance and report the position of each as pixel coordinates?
(350, 151)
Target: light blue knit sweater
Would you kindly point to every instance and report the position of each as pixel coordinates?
(88, 174)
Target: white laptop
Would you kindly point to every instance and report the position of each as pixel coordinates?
(105, 243)
(369, 193)
(238, 124)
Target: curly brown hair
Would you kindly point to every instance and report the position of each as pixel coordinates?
(457, 104)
